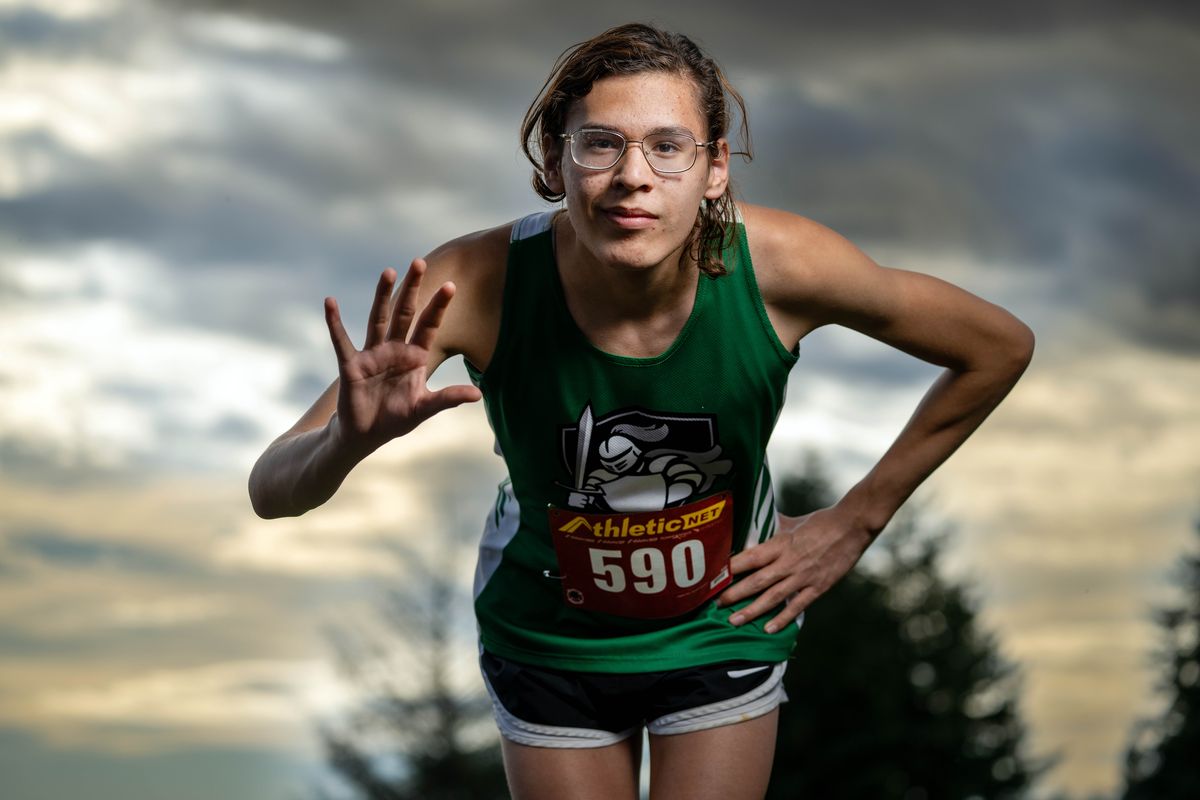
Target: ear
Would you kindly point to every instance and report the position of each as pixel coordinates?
(552, 152)
(718, 170)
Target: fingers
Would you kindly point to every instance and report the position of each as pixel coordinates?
(406, 303)
(757, 556)
(427, 325)
(453, 396)
(769, 583)
(377, 327)
(753, 561)
(793, 609)
(781, 593)
(337, 332)
(763, 583)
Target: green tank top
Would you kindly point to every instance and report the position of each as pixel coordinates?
(586, 431)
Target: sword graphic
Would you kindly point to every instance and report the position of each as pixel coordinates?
(582, 443)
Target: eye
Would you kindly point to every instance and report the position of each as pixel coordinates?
(600, 141)
(667, 147)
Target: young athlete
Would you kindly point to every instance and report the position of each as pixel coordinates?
(632, 351)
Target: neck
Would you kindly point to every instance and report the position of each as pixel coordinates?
(629, 312)
(616, 294)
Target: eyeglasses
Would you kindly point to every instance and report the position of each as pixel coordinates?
(593, 148)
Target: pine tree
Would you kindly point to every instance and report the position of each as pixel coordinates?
(895, 690)
(1163, 761)
(415, 734)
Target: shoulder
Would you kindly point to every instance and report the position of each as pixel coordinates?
(793, 254)
(472, 257)
(475, 263)
(804, 269)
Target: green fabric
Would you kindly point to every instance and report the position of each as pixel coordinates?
(726, 363)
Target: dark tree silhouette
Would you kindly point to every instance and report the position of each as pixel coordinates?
(421, 726)
(895, 691)
(415, 733)
(1163, 760)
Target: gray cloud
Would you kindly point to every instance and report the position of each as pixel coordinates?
(306, 385)
(236, 428)
(66, 38)
(1053, 138)
(749, 27)
(72, 551)
(1058, 142)
(27, 460)
(875, 368)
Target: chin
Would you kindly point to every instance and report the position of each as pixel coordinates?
(638, 250)
(630, 256)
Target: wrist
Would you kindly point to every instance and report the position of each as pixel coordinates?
(343, 446)
(864, 511)
(322, 464)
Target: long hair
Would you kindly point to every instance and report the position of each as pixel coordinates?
(629, 50)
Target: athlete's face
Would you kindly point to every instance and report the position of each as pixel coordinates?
(628, 215)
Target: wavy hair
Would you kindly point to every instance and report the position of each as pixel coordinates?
(629, 50)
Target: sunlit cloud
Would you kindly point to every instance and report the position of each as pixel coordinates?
(243, 702)
(158, 613)
(70, 9)
(257, 36)
(1072, 504)
(181, 184)
(396, 499)
(92, 378)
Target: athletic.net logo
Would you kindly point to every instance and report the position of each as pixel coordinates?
(674, 520)
(649, 564)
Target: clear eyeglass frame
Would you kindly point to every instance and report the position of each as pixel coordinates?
(570, 139)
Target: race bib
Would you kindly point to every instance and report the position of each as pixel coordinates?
(645, 564)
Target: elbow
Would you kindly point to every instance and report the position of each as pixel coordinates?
(1011, 353)
(1021, 350)
(1006, 352)
(260, 494)
(261, 508)
(258, 502)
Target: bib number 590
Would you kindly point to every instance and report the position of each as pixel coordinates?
(648, 567)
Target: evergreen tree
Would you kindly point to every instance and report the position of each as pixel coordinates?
(422, 725)
(895, 691)
(1163, 761)
(415, 735)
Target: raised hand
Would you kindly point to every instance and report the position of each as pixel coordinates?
(383, 392)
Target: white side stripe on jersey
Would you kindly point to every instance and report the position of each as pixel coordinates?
(762, 520)
(502, 523)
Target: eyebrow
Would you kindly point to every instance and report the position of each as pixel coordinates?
(661, 129)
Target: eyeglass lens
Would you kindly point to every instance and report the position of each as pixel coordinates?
(666, 152)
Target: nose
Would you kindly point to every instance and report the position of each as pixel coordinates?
(633, 171)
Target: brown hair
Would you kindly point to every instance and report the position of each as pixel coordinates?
(628, 50)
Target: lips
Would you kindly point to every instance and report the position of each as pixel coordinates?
(630, 218)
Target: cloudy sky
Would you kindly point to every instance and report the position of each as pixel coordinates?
(182, 182)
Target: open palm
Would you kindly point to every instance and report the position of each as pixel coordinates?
(383, 392)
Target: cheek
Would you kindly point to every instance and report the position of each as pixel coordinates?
(586, 188)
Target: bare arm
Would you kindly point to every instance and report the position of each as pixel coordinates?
(380, 394)
(984, 349)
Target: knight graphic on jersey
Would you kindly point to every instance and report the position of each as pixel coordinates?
(645, 461)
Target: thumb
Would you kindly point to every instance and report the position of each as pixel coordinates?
(452, 396)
